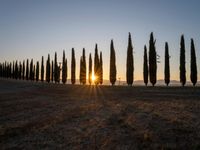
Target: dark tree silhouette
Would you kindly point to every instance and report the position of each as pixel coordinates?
(20, 70)
(31, 70)
(64, 68)
(167, 66)
(23, 70)
(182, 61)
(113, 70)
(145, 66)
(83, 67)
(16, 70)
(152, 60)
(52, 71)
(58, 71)
(10, 70)
(42, 69)
(1, 70)
(193, 65)
(96, 65)
(73, 68)
(27, 69)
(90, 70)
(33, 78)
(48, 68)
(129, 62)
(56, 76)
(13, 70)
(37, 71)
(101, 69)
(81, 70)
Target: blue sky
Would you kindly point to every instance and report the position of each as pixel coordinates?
(34, 28)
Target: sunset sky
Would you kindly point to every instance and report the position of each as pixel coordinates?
(34, 28)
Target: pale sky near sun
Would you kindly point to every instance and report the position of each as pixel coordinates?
(34, 28)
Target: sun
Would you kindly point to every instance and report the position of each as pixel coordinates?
(93, 78)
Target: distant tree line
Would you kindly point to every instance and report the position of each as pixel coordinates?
(53, 70)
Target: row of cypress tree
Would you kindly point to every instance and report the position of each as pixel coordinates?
(153, 59)
(34, 72)
(150, 65)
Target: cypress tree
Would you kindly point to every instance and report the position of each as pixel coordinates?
(182, 61)
(13, 70)
(90, 70)
(48, 67)
(5, 70)
(55, 68)
(152, 60)
(31, 70)
(101, 69)
(73, 68)
(113, 70)
(193, 65)
(0, 70)
(58, 73)
(23, 70)
(42, 69)
(37, 71)
(33, 78)
(52, 71)
(10, 70)
(96, 65)
(167, 68)
(27, 69)
(64, 69)
(81, 70)
(83, 67)
(145, 66)
(20, 70)
(129, 63)
(16, 70)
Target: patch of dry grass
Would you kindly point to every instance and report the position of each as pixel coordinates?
(49, 116)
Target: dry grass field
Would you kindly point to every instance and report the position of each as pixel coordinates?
(55, 116)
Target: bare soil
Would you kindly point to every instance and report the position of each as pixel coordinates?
(55, 116)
